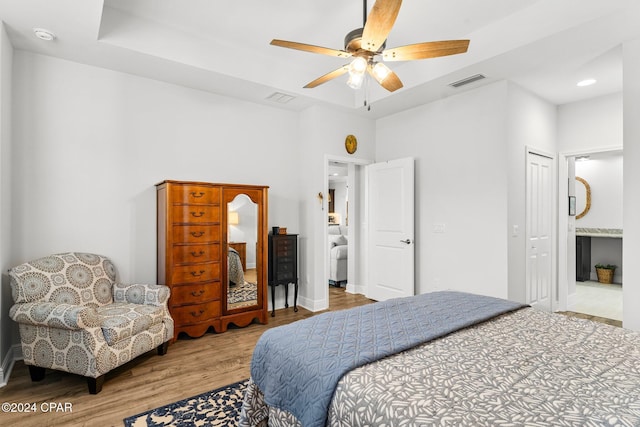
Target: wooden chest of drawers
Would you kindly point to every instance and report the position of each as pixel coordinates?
(189, 254)
(193, 255)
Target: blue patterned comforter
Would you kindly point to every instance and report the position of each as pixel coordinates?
(297, 366)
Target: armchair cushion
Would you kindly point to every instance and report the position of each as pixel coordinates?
(124, 320)
(141, 294)
(336, 240)
(69, 278)
(64, 316)
(339, 252)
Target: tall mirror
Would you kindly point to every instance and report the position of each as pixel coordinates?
(243, 264)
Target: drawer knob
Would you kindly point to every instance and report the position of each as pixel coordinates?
(197, 214)
(197, 254)
(197, 195)
(196, 274)
(197, 233)
(197, 294)
(197, 314)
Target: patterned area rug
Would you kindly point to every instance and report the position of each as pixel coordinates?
(246, 292)
(219, 407)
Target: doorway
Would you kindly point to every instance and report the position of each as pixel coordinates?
(345, 177)
(594, 235)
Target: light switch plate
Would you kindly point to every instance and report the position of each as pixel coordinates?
(439, 227)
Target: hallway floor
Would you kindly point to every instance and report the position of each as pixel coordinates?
(599, 299)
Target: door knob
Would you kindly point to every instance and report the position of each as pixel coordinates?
(407, 241)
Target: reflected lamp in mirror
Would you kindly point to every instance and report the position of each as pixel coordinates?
(234, 218)
(334, 218)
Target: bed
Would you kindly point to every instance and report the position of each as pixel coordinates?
(479, 361)
(235, 270)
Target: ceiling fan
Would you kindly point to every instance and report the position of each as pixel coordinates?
(366, 45)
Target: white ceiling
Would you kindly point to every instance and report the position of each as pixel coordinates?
(545, 46)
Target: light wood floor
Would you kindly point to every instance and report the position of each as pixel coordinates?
(190, 367)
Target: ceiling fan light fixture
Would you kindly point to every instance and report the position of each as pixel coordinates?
(355, 80)
(358, 65)
(380, 72)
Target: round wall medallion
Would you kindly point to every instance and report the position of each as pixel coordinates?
(351, 144)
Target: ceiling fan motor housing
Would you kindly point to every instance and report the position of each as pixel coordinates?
(353, 42)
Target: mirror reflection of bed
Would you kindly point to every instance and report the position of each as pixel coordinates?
(242, 228)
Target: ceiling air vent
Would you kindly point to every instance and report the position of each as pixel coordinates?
(279, 97)
(468, 80)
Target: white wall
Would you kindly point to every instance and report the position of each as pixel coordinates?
(631, 195)
(590, 125)
(90, 143)
(7, 327)
(460, 147)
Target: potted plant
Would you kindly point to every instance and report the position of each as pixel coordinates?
(605, 272)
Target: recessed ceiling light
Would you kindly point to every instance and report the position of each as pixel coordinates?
(586, 82)
(43, 34)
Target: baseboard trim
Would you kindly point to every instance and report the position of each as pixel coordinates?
(355, 289)
(14, 353)
(312, 305)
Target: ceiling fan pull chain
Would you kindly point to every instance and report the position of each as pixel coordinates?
(366, 94)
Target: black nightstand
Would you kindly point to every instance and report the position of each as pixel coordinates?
(283, 267)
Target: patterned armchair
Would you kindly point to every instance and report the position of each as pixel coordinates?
(74, 317)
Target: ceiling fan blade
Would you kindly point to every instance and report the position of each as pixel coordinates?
(311, 48)
(329, 76)
(425, 50)
(379, 23)
(390, 82)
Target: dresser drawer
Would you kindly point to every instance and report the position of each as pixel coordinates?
(195, 213)
(195, 233)
(195, 273)
(284, 247)
(286, 260)
(285, 271)
(195, 194)
(190, 314)
(189, 294)
(183, 254)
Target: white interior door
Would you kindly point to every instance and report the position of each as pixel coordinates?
(390, 204)
(539, 230)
